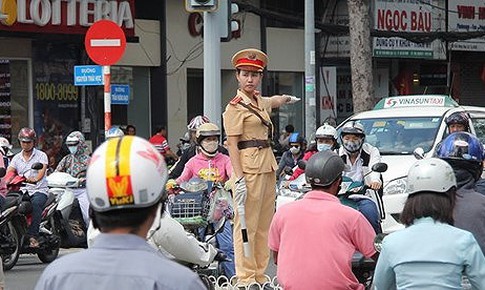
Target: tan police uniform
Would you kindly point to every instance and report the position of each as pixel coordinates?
(259, 166)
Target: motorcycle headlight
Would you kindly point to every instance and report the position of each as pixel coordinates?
(396, 186)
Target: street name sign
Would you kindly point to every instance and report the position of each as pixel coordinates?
(88, 75)
(120, 94)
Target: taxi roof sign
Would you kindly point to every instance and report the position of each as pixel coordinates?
(416, 101)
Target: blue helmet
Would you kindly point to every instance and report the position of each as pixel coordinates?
(461, 146)
(296, 138)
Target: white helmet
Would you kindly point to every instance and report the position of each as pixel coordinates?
(5, 146)
(74, 138)
(126, 172)
(196, 122)
(431, 174)
(114, 132)
(326, 131)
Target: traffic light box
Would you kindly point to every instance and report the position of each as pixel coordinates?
(229, 25)
(201, 5)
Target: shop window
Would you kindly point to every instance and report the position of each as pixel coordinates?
(14, 97)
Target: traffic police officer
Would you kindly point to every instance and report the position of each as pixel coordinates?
(249, 130)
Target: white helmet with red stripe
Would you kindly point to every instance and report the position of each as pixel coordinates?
(126, 172)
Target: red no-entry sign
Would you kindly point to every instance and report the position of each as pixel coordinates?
(105, 42)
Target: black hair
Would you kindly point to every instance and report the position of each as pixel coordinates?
(159, 128)
(438, 206)
(130, 126)
(289, 128)
(473, 167)
(122, 218)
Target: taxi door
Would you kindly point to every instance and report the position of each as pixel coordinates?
(477, 116)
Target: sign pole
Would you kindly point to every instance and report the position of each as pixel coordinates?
(105, 43)
(107, 97)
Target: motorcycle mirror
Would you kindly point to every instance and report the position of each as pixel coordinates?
(301, 164)
(418, 153)
(37, 166)
(378, 241)
(3, 171)
(379, 167)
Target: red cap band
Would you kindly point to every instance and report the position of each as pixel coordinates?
(250, 62)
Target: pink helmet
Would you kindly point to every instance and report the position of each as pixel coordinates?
(27, 134)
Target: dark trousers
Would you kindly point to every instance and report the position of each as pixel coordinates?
(38, 201)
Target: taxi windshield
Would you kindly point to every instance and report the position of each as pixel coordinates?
(401, 135)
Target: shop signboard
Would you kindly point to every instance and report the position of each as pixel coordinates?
(120, 94)
(402, 16)
(467, 16)
(88, 75)
(64, 17)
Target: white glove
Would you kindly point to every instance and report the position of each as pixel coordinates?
(240, 192)
(292, 99)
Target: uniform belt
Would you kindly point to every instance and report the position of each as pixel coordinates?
(253, 143)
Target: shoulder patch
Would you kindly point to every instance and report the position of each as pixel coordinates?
(235, 100)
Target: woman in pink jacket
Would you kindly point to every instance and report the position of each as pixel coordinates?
(211, 165)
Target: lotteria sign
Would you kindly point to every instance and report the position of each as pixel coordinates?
(64, 16)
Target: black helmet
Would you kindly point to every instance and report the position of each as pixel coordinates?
(324, 167)
(457, 118)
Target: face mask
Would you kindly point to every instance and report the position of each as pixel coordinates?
(72, 149)
(352, 146)
(209, 146)
(322, 147)
(295, 150)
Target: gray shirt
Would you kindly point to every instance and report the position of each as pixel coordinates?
(469, 214)
(117, 262)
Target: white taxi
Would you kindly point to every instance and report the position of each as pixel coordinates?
(397, 126)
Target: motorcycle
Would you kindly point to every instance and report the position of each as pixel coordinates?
(351, 191)
(362, 267)
(73, 230)
(15, 219)
(202, 208)
(289, 191)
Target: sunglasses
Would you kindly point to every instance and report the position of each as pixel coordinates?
(295, 146)
(26, 142)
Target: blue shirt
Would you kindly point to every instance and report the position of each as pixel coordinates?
(429, 255)
(117, 262)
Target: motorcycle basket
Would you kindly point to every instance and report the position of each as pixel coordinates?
(190, 209)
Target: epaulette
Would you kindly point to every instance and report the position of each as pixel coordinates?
(235, 100)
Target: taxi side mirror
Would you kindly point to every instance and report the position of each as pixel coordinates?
(418, 153)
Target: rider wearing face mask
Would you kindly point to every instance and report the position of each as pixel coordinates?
(211, 165)
(325, 139)
(291, 157)
(361, 156)
(76, 165)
